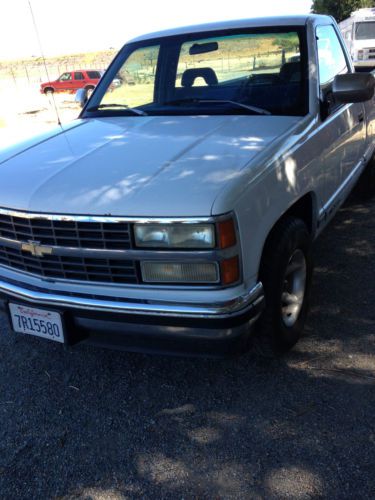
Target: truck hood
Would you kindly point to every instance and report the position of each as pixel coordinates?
(135, 166)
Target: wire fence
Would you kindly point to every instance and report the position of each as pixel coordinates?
(34, 71)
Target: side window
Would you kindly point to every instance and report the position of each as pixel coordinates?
(65, 77)
(331, 56)
(94, 75)
(332, 62)
(78, 75)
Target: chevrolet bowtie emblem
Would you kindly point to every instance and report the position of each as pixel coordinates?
(36, 249)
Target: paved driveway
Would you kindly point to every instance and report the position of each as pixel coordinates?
(89, 423)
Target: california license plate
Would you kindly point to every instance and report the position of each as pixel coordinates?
(39, 322)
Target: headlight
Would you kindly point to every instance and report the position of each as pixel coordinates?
(360, 55)
(183, 239)
(174, 235)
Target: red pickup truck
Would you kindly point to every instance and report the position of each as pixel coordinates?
(71, 81)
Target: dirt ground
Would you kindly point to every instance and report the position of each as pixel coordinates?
(25, 111)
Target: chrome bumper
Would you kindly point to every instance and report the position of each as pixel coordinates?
(242, 304)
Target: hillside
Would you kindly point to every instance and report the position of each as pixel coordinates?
(34, 67)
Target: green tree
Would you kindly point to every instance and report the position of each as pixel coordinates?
(339, 9)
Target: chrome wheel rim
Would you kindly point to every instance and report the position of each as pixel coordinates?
(294, 285)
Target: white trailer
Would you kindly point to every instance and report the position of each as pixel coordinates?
(358, 32)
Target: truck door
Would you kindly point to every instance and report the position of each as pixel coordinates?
(78, 81)
(65, 82)
(342, 131)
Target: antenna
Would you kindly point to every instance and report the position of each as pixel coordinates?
(44, 60)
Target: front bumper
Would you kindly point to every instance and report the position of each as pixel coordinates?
(188, 328)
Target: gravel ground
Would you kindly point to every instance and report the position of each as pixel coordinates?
(96, 424)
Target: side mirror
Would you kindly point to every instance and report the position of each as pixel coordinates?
(81, 97)
(353, 87)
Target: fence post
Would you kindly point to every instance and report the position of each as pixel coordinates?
(14, 77)
(27, 75)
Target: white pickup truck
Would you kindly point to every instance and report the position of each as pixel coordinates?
(180, 208)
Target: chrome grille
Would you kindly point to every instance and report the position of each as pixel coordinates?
(69, 233)
(104, 238)
(72, 268)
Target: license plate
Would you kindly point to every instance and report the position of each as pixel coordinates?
(39, 322)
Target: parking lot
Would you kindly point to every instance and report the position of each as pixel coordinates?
(90, 423)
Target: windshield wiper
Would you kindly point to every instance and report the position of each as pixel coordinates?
(196, 100)
(136, 111)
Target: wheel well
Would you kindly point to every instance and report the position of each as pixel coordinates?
(90, 87)
(48, 89)
(303, 209)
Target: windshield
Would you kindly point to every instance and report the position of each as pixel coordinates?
(260, 71)
(365, 31)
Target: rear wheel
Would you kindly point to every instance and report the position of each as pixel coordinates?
(286, 273)
(366, 183)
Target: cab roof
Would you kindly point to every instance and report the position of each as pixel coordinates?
(256, 22)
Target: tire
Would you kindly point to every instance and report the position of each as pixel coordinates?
(48, 91)
(366, 184)
(286, 273)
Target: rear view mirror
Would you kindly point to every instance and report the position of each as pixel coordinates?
(203, 48)
(353, 87)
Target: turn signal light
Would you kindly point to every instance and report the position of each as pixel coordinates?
(230, 271)
(227, 233)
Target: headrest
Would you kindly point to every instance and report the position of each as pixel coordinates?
(291, 72)
(189, 76)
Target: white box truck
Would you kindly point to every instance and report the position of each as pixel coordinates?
(358, 32)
